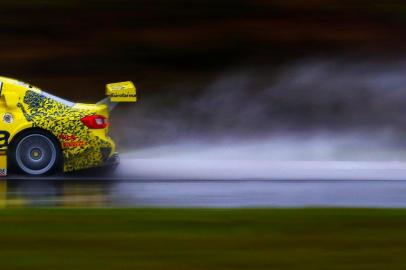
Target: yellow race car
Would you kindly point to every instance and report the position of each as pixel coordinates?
(41, 133)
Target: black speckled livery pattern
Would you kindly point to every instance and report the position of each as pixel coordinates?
(58, 119)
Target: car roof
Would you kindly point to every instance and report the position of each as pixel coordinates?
(13, 81)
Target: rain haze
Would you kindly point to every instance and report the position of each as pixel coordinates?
(326, 112)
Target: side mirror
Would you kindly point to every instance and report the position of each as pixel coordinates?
(11, 99)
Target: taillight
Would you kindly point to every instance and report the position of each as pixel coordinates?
(95, 121)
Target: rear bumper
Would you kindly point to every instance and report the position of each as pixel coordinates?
(99, 151)
(113, 160)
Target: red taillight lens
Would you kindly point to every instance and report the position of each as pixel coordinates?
(95, 121)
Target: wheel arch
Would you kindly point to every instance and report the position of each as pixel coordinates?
(33, 130)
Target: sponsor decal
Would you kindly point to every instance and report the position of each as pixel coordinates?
(118, 87)
(123, 95)
(73, 144)
(67, 137)
(70, 140)
(4, 136)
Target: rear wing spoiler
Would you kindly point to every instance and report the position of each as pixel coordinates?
(119, 92)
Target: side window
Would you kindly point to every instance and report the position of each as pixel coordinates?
(58, 99)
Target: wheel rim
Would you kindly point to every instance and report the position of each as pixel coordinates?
(36, 154)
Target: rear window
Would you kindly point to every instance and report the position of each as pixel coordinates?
(58, 99)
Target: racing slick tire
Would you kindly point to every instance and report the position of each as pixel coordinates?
(35, 152)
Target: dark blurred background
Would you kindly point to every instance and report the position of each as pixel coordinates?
(219, 69)
(70, 45)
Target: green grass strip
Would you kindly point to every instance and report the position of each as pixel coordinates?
(195, 239)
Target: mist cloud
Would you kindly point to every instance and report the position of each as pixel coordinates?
(295, 110)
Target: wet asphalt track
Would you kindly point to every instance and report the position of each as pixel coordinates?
(169, 183)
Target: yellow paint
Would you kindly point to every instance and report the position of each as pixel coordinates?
(121, 92)
(23, 106)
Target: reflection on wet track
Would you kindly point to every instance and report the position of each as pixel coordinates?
(211, 193)
(187, 183)
(54, 193)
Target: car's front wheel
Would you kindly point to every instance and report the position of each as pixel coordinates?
(35, 153)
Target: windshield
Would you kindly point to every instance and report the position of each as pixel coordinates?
(58, 99)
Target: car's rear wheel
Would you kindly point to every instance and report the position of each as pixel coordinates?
(36, 153)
